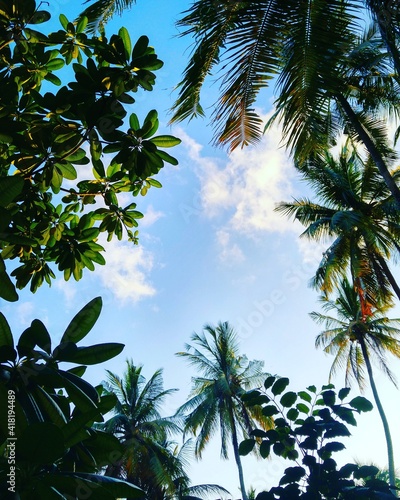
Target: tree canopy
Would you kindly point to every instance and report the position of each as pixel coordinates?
(68, 153)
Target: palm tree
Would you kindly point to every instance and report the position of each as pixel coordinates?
(305, 47)
(215, 399)
(357, 334)
(355, 209)
(101, 11)
(148, 461)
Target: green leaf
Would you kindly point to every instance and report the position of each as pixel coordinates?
(265, 448)
(92, 355)
(134, 122)
(116, 487)
(329, 397)
(55, 64)
(83, 322)
(165, 141)
(10, 188)
(361, 404)
(269, 381)
(345, 414)
(82, 23)
(269, 410)
(288, 399)
(343, 393)
(366, 471)
(36, 334)
(140, 47)
(279, 386)
(41, 443)
(168, 158)
(246, 446)
(40, 16)
(292, 475)
(124, 34)
(303, 408)
(292, 414)
(305, 396)
(6, 338)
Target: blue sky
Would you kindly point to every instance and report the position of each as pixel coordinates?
(211, 248)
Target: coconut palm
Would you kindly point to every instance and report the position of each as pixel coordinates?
(356, 213)
(356, 335)
(215, 400)
(304, 47)
(101, 11)
(148, 461)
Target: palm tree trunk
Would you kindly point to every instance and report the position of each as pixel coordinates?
(392, 474)
(371, 147)
(235, 444)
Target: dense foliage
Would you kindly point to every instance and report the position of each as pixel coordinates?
(309, 426)
(49, 448)
(61, 152)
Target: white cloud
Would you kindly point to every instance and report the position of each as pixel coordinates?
(126, 273)
(230, 253)
(25, 313)
(151, 216)
(248, 186)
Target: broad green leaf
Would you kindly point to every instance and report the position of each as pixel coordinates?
(36, 334)
(41, 443)
(288, 399)
(140, 47)
(116, 487)
(246, 446)
(343, 393)
(366, 471)
(361, 404)
(6, 338)
(134, 122)
(40, 16)
(305, 396)
(265, 448)
(303, 408)
(269, 381)
(49, 406)
(292, 475)
(269, 410)
(345, 414)
(166, 157)
(83, 322)
(94, 354)
(329, 397)
(124, 34)
(165, 141)
(55, 64)
(82, 23)
(7, 288)
(84, 386)
(80, 399)
(279, 386)
(63, 21)
(154, 182)
(10, 188)
(292, 414)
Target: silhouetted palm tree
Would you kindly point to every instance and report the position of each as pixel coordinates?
(357, 334)
(215, 400)
(148, 460)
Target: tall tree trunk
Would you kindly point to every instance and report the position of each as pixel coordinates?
(235, 444)
(371, 147)
(392, 473)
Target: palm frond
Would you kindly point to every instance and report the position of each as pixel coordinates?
(101, 11)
